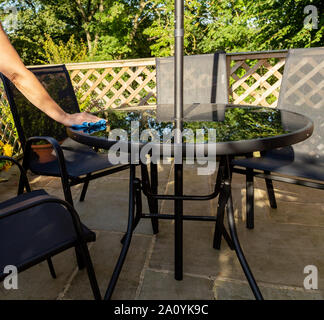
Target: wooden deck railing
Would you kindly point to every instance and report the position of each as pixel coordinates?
(254, 78)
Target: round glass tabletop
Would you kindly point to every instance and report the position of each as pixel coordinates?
(231, 129)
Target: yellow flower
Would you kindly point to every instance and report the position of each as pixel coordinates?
(8, 150)
(1, 144)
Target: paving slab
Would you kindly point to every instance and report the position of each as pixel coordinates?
(163, 172)
(200, 258)
(283, 242)
(234, 290)
(8, 189)
(291, 212)
(277, 255)
(104, 253)
(297, 213)
(106, 207)
(193, 185)
(36, 283)
(293, 193)
(162, 286)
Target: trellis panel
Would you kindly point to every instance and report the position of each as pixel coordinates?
(116, 84)
(254, 78)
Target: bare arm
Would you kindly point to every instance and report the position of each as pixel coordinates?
(13, 68)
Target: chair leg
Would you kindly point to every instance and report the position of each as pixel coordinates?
(219, 227)
(84, 252)
(51, 268)
(85, 188)
(21, 185)
(271, 194)
(68, 198)
(151, 187)
(249, 199)
(79, 258)
(220, 230)
(154, 188)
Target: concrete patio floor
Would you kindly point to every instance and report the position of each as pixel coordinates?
(283, 242)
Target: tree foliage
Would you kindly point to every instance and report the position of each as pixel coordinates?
(122, 29)
(71, 51)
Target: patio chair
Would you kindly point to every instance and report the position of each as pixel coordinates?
(35, 226)
(302, 91)
(74, 163)
(204, 82)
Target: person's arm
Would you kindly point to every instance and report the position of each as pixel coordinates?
(26, 82)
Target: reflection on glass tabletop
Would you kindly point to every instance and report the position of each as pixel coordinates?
(230, 123)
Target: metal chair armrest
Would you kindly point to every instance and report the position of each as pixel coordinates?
(58, 152)
(21, 169)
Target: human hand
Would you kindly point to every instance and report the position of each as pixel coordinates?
(79, 118)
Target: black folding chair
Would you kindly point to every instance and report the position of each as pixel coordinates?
(35, 226)
(73, 162)
(302, 91)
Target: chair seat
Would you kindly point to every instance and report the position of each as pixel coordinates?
(80, 160)
(285, 161)
(33, 233)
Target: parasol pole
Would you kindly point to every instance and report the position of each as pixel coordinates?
(178, 115)
(178, 65)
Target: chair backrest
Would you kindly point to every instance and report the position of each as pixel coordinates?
(204, 80)
(302, 91)
(29, 120)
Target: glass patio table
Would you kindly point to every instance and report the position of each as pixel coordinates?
(210, 132)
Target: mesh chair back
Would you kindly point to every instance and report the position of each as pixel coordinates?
(204, 80)
(302, 91)
(29, 120)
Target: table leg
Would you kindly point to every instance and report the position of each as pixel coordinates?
(128, 236)
(152, 188)
(231, 222)
(178, 222)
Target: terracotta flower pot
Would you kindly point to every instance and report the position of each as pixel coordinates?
(45, 152)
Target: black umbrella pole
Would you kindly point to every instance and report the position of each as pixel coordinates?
(178, 113)
(178, 65)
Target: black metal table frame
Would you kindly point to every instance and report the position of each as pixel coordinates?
(301, 129)
(148, 186)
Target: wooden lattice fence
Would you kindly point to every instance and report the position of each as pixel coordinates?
(8, 132)
(114, 84)
(254, 78)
